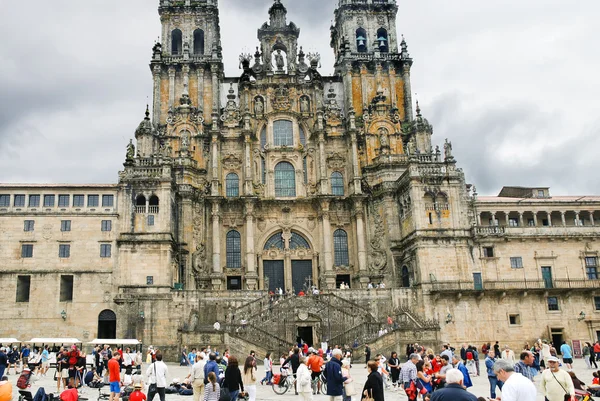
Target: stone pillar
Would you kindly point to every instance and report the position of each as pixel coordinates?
(200, 76)
(215, 165)
(407, 92)
(186, 233)
(549, 216)
(348, 88)
(361, 240)
(156, 74)
(494, 223)
(577, 222)
(247, 166)
(327, 251)
(216, 233)
(251, 276)
(478, 219)
(535, 222)
(562, 218)
(171, 87)
(216, 93)
(186, 79)
(323, 187)
(364, 87)
(521, 222)
(355, 168)
(592, 222)
(507, 218)
(393, 97)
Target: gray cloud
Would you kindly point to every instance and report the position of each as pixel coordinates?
(510, 83)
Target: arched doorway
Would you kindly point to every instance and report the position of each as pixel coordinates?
(107, 324)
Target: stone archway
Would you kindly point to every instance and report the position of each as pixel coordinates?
(107, 324)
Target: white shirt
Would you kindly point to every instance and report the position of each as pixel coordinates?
(161, 374)
(518, 388)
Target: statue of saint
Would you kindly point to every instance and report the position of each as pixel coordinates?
(185, 141)
(259, 107)
(304, 106)
(130, 150)
(198, 260)
(448, 151)
(384, 138)
(279, 60)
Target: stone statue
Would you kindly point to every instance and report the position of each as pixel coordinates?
(384, 138)
(279, 60)
(259, 107)
(448, 151)
(185, 141)
(412, 149)
(130, 150)
(304, 106)
(199, 260)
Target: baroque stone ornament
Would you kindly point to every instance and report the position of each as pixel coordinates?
(378, 254)
(336, 161)
(232, 161)
(333, 111)
(231, 116)
(281, 99)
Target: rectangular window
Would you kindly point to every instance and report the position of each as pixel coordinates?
(34, 201)
(488, 252)
(78, 200)
(65, 225)
(553, 303)
(64, 251)
(512, 222)
(151, 220)
(597, 303)
(66, 288)
(514, 320)
(105, 250)
(49, 200)
(4, 200)
(27, 251)
(63, 200)
(234, 283)
(108, 200)
(545, 223)
(29, 225)
(93, 200)
(149, 280)
(591, 268)
(106, 225)
(19, 201)
(516, 262)
(283, 133)
(540, 193)
(23, 287)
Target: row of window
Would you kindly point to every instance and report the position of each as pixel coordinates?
(177, 42)
(362, 40)
(514, 222)
(64, 251)
(285, 181)
(283, 134)
(65, 225)
(24, 288)
(63, 200)
(552, 305)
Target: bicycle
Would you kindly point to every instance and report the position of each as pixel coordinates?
(319, 384)
(285, 383)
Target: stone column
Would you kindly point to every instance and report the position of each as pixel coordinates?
(493, 214)
(535, 221)
(393, 97)
(361, 240)
(592, 222)
(577, 222)
(327, 251)
(171, 87)
(247, 166)
(562, 219)
(323, 187)
(215, 165)
(251, 276)
(216, 232)
(549, 215)
(364, 86)
(407, 92)
(348, 88)
(521, 222)
(200, 76)
(156, 74)
(478, 219)
(186, 79)
(216, 93)
(355, 168)
(507, 218)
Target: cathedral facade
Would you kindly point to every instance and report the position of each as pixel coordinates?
(282, 178)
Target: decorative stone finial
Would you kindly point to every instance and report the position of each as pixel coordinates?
(147, 112)
(418, 110)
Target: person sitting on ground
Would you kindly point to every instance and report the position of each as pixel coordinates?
(454, 390)
(137, 394)
(70, 394)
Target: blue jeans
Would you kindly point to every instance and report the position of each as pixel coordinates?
(493, 383)
(234, 395)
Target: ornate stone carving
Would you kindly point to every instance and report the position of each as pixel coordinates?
(130, 150)
(448, 151)
(377, 246)
(336, 161)
(232, 162)
(281, 99)
(231, 116)
(333, 111)
(259, 106)
(199, 266)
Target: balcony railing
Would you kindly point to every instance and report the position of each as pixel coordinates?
(489, 230)
(515, 285)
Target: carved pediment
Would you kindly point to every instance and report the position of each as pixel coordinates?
(336, 161)
(232, 162)
(281, 99)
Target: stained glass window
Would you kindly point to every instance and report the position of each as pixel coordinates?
(232, 185)
(297, 241)
(340, 248)
(283, 133)
(234, 250)
(337, 184)
(276, 241)
(285, 180)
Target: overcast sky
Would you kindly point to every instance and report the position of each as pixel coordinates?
(512, 83)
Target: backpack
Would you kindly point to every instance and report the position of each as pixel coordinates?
(73, 358)
(23, 380)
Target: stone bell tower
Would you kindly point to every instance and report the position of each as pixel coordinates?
(279, 41)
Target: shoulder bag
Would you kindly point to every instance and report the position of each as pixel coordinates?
(225, 394)
(369, 396)
(152, 387)
(567, 396)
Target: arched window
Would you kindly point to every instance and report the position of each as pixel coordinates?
(340, 248)
(198, 41)
(298, 241)
(285, 180)
(140, 204)
(176, 42)
(382, 40)
(361, 40)
(337, 184)
(234, 249)
(283, 133)
(405, 277)
(153, 204)
(232, 185)
(263, 138)
(276, 241)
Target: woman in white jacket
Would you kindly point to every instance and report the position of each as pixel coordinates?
(303, 380)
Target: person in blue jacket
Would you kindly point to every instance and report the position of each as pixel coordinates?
(333, 374)
(461, 366)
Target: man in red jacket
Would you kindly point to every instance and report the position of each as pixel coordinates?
(114, 372)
